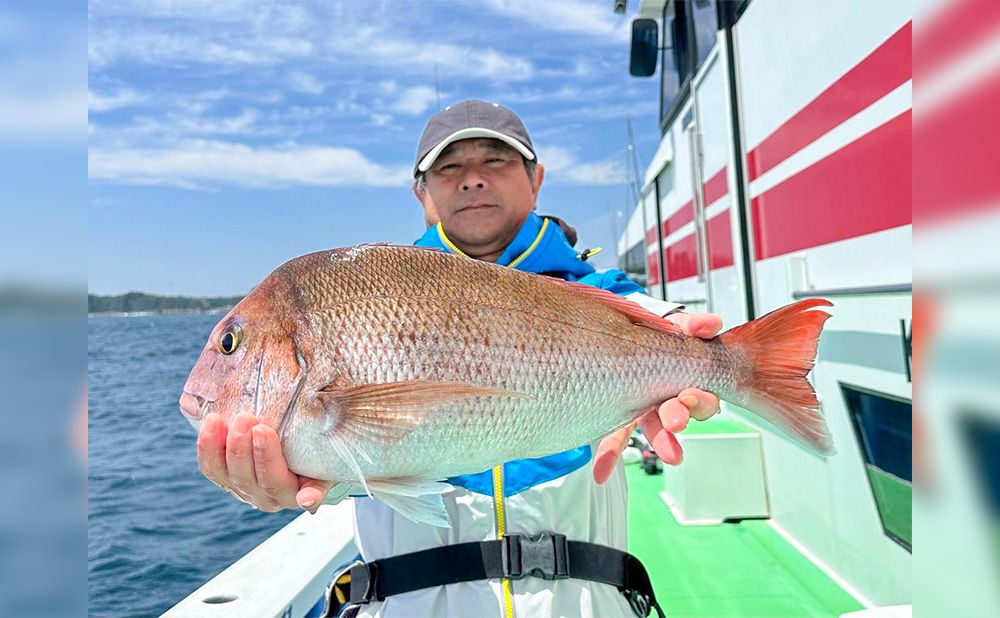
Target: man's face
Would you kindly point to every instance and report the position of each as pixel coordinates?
(481, 192)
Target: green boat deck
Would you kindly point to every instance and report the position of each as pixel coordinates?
(744, 569)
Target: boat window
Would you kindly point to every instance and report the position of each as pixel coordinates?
(634, 261)
(883, 427)
(673, 65)
(704, 14)
(730, 11)
(982, 433)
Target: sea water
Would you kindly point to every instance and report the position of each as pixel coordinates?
(157, 528)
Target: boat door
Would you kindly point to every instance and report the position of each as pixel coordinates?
(712, 248)
(717, 211)
(685, 243)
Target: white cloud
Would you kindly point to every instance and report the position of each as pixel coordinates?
(306, 83)
(124, 97)
(202, 163)
(414, 101)
(616, 111)
(562, 93)
(217, 10)
(59, 116)
(175, 125)
(563, 167)
(385, 48)
(577, 16)
(230, 34)
(108, 45)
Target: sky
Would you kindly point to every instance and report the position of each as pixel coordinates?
(43, 145)
(228, 137)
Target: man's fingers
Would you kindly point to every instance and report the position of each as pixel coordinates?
(239, 456)
(608, 452)
(701, 325)
(212, 449)
(702, 405)
(312, 493)
(663, 442)
(270, 467)
(673, 415)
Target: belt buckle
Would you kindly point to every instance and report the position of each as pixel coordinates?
(545, 555)
(338, 593)
(364, 583)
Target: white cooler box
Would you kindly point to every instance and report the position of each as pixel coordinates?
(722, 476)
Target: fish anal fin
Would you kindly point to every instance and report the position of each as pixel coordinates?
(635, 314)
(418, 500)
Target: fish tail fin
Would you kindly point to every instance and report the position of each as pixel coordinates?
(782, 347)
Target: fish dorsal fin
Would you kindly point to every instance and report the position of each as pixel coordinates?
(392, 245)
(635, 314)
(388, 411)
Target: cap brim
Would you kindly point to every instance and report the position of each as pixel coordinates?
(470, 133)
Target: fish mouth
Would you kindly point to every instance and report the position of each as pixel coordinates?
(193, 406)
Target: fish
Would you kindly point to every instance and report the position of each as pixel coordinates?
(388, 369)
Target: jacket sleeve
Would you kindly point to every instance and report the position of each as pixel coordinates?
(618, 282)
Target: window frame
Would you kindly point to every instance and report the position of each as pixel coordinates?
(682, 13)
(860, 436)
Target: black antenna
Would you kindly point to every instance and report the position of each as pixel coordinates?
(633, 179)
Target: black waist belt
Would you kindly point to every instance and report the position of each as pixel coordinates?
(549, 556)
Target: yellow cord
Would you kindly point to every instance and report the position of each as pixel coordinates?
(534, 244)
(447, 241)
(508, 598)
(531, 247)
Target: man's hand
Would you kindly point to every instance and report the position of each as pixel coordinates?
(660, 424)
(246, 461)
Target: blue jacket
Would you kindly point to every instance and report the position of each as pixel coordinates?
(539, 247)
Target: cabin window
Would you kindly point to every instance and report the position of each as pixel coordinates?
(982, 433)
(689, 35)
(705, 16)
(634, 261)
(673, 65)
(883, 427)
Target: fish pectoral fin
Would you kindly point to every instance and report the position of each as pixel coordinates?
(418, 500)
(388, 411)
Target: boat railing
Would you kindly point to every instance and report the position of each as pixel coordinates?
(285, 576)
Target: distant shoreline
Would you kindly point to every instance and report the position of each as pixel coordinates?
(140, 303)
(140, 314)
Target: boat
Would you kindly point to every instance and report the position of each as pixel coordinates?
(782, 172)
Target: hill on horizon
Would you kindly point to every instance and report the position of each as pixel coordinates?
(134, 302)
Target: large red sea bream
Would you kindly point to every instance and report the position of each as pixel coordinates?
(391, 368)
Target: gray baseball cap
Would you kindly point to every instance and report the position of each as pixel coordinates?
(466, 120)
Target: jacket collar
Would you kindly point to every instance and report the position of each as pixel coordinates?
(539, 247)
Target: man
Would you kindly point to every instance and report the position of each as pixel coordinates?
(477, 178)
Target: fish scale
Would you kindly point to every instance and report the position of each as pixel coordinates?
(579, 375)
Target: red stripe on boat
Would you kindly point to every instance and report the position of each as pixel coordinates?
(862, 188)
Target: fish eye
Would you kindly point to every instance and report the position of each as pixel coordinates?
(230, 339)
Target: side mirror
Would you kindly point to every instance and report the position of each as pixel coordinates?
(645, 47)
